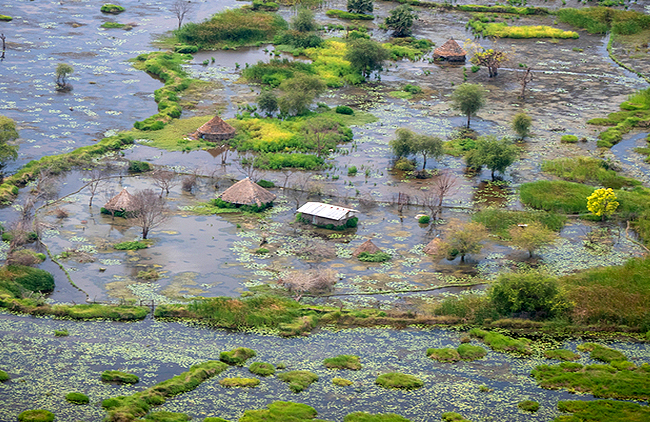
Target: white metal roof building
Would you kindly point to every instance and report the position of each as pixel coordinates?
(326, 213)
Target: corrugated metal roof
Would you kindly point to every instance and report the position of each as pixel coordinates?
(333, 212)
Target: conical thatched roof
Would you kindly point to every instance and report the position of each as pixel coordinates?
(247, 192)
(432, 247)
(366, 246)
(123, 201)
(450, 51)
(215, 130)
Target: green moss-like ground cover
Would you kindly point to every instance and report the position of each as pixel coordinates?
(37, 415)
(600, 380)
(239, 382)
(133, 245)
(447, 354)
(280, 411)
(341, 382)
(556, 196)
(298, 380)
(378, 417)
(77, 398)
(453, 417)
(561, 354)
(471, 352)
(343, 362)
(119, 377)
(174, 136)
(602, 411)
(4, 376)
(262, 369)
(602, 353)
(528, 406)
(502, 343)
(503, 30)
(237, 356)
(399, 380)
(587, 170)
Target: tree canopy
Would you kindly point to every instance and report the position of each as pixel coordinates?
(468, 99)
(303, 21)
(299, 92)
(62, 72)
(531, 236)
(408, 143)
(267, 102)
(360, 6)
(401, 20)
(8, 133)
(602, 202)
(496, 155)
(366, 56)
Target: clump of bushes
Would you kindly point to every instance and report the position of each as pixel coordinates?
(569, 139)
(470, 352)
(344, 110)
(119, 377)
(77, 398)
(352, 170)
(38, 415)
(220, 203)
(112, 8)
(262, 369)
(237, 356)
(374, 257)
(424, 219)
(404, 164)
(186, 49)
(343, 362)
(239, 382)
(139, 166)
(412, 89)
(298, 380)
(399, 380)
(528, 406)
(266, 184)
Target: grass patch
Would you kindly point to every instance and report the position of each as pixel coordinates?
(561, 354)
(113, 25)
(112, 8)
(498, 221)
(602, 411)
(503, 9)
(502, 343)
(408, 48)
(447, 354)
(343, 362)
(298, 380)
(262, 369)
(165, 416)
(280, 411)
(232, 28)
(119, 377)
(334, 13)
(341, 382)
(602, 353)
(587, 170)
(369, 417)
(239, 382)
(61, 333)
(133, 245)
(4, 376)
(471, 352)
(528, 406)
(556, 196)
(599, 20)
(37, 415)
(6, 18)
(237, 356)
(77, 398)
(173, 137)
(503, 30)
(399, 380)
(634, 111)
(600, 380)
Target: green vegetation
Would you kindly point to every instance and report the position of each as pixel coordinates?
(262, 369)
(280, 411)
(599, 20)
(569, 139)
(232, 28)
(374, 257)
(424, 219)
(165, 416)
(133, 245)
(502, 9)
(278, 161)
(128, 408)
(602, 202)
(237, 356)
(215, 419)
(39, 415)
(521, 124)
(465, 351)
(8, 133)
(470, 352)
(495, 154)
(239, 382)
(139, 166)
(61, 333)
(369, 417)
(343, 362)
(334, 13)
(587, 170)
(400, 20)
(561, 354)
(602, 353)
(468, 99)
(602, 411)
(453, 417)
(344, 110)
(556, 196)
(600, 380)
(341, 382)
(113, 25)
(502, 343)
(633, 112)
(366, 56)
(4, 376)
(528, 406)
(532, 293)
(298, 380)
(502, 30)
(186, 49)
(173, 136)
(112, 8)
(6, 18)
(446, 354)
(119, 377)
(221, 204)
(77, 398)
(399, 380)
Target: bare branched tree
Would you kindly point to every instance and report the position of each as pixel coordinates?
(95, 177)
(301, 187)
(443, 185)
(150, 210)
(246, 167)
(310, 281)
(189, 182)
(181, 8)
(525, 77)
(165, 180)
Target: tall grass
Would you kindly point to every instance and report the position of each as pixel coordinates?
(598, 20)
(556, 196)
(502, 30)
(498, 220)
(587, 170)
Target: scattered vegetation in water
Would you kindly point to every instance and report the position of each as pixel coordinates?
(528, 406)
(470, 352)
(281, 411)
(374, 257)
(633, 112)
(119, 377)
(502, 343)
(399, 380)
(343, 362)
(561, 354)
(341, 382)
(334, 13)
(237, 356)
(6, 18)
(569, 139)
(587, 170)
(602, 411)
(378, 417)
(61, 333)
(602, 353)
(239, 382)
(133, 245)
(498, 221)
(262, 369)
(112, 8)
(77, 398)
(467, 352)
(37, 415)
(298, 380)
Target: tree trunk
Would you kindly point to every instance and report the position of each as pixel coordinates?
(425, 162)
(468, 116)
(493, 175)
(145, 232)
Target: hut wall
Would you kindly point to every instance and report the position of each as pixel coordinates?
(216, 137)
(326, 221)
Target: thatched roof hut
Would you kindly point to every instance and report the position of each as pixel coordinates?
(247, 192)
(122, 202)
(450, 51)
(366, 246)
(215, 130)
(432, 247)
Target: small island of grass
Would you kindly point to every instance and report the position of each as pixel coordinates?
(399, 380)
(119, 377)
(298, 380)
(343, 362)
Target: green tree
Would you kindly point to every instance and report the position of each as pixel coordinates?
(303, 21)
(465, 240)
(400, 20)
(602, 202)
(267, 102)
(63, 70)
(366, 56)
(532, 292)
(360, 6)
(403, 144)
(532, 236)
(428, 146)
(494, 154)
(8, 133)
(468, 99)
(521, 124)
(299, 92)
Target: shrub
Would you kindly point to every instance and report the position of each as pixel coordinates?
(266, 184)
(341, 382)
(139, 166)
(446, 354)
(61, 333)
(4, 376)
(561, 354)
(404, 164)
(262, 369)
(39, 415)
(530, 293)
(569, 139)
(352, 170)
(77, 398)
(470, 352)
(239, 382)
(237, 356)
(528, 406)
(424, 219)
(298, 380)
(119, 377)
(399, 380)
(186, 49)
(343, 362)
(374, 257)
(112, 8)
(344, 110)
(412, 89)
(133, 245)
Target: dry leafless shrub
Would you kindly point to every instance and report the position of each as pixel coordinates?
(310, 281)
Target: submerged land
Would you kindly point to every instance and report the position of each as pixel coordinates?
(497, 289)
